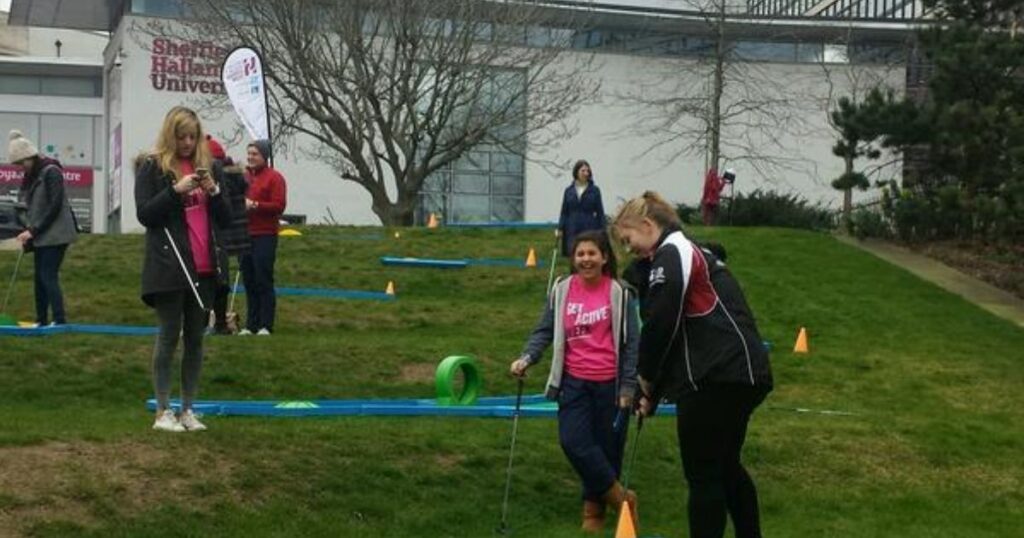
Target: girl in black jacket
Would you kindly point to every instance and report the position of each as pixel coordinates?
(178, 200)
(700, 347)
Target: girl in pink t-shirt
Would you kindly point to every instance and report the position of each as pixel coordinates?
(591, 323)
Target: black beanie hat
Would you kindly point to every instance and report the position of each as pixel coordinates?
(262, 146)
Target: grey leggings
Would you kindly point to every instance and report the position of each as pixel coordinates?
(178, 313)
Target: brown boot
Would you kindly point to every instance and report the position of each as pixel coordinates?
(617, 494)
(593, 516)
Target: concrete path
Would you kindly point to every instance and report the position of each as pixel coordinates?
(999, 302)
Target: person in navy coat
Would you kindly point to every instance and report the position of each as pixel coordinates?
(582, 208)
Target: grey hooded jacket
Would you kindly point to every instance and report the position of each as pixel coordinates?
(625, 334)
(47, 210)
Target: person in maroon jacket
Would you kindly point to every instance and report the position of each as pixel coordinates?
(265, 202)
(712, 196)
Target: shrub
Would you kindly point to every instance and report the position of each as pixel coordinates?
(866, 223)
(770, 208)
(688, 214)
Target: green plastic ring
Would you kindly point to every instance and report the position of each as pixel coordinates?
(445, 377)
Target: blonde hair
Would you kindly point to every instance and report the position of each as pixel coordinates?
(177, 120)
(648, 205)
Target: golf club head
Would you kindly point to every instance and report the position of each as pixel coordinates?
(503, 529)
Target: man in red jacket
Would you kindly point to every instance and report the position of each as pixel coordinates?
(265, 202)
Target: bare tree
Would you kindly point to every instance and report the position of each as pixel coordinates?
(717, 103)
(393, 90)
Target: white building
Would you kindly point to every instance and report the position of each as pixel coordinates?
(634, 39)
(51, 88)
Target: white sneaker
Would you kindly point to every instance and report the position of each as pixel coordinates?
(190, 422)
(244, 332)
(263, 332)
(166, 421)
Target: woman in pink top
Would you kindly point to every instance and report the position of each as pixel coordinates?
(591, 323)
(177, 198)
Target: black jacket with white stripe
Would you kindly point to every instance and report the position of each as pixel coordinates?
(697, 327)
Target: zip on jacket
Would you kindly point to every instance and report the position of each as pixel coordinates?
(698, 328)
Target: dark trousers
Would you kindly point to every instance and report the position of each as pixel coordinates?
(586, 415)
(712, 426)
(221, 297)
(709, 214)
(258, 274)
(47, 283)
(179, 316)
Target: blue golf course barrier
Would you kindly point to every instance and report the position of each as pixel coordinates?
(424, 262)
(333, 293)
(520, 225)
(536, 406)
(458, 263)
(78, 328)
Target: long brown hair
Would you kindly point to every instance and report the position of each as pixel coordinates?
(576, 170)
(599, 238)
(180, 119)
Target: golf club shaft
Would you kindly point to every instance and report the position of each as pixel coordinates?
(632, 457)
(14, 276)
(511, 453)
(184, 270)
(234, 290)
(551, 270)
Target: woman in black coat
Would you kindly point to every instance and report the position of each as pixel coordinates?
(179, 201)
(582, 208)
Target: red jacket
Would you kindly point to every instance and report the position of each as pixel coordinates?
(713, 185)
(267, 188)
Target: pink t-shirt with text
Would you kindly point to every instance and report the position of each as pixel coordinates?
(589, 347)
(197, 219)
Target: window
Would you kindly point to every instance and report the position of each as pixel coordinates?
(484, 185)
(765, 51)
(19, 84)
(45, 85)
(160, 8)
(71, 86)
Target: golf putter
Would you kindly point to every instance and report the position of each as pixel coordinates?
(551, 271)
(184, 270)
(14, 277)
(503, 525)
(632, 456)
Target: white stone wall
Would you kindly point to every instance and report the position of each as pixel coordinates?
(602, 138)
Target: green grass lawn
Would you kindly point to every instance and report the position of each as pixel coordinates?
(932, 448)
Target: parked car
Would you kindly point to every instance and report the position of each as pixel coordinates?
(10, 219)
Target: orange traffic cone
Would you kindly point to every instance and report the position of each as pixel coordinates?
(801, 342)
(625, 528)
(432, 221)
(531, 259)
(390, 290)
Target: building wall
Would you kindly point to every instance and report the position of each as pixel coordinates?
(137, 99)
(63, 125)
(313, 187)
(625, 165)
(13, 39)
(34, 41)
